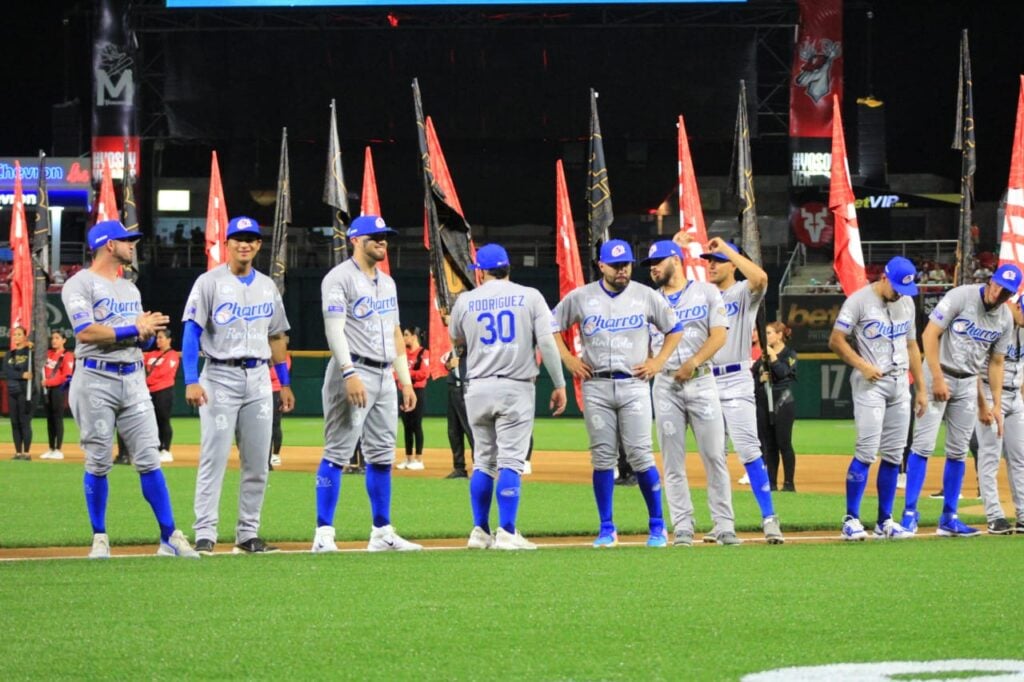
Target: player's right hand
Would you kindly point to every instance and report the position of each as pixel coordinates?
(149, 323)
(940, 391)
(578, 368)
(195, 395)
(871, 373)
(558, 401)
(356, 391)
(682, 239)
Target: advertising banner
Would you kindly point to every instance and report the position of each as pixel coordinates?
(114, 98)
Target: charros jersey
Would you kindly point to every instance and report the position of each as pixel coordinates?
(91, 299)
(970, 333)
(698, 307)
(368, 306)
(741, 308)
(880, 330)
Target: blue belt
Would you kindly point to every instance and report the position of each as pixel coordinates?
(722, 370)
(612, 375)
(376, 364)
(112, 367)
(246, 363)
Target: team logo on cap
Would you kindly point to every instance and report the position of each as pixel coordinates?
(618, 250)
(651, 251)
(379, 222)
(244, 223)
(908, 279)
(1010, 275)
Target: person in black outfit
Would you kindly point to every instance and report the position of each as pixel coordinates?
(17, 373)
(412, 421)
(458, 421)
(776, 430)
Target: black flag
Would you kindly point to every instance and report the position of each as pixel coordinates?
(130, 213)
(336, 193)
(599, 193)
(749, 231)
(41, 280)
(282, 218)
(964, 141)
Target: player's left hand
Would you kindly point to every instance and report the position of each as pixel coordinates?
(408, 398)
(685, 371)
(558, 401)
(287, 399)
(682, 239)
(999, 422)
(920, 402)
(649, 369)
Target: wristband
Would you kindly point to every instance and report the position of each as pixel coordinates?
(127, 332)
(346, 373)
(283, 377)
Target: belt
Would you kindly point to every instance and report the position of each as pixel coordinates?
(897, 372)
(703, 370)
(957, 375)
(722, 370)
(611, 375)
(376, 364)
(246, 363)
(112, 367)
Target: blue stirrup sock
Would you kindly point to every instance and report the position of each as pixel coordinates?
(888, 474)
(96, 489)
(650, 486)
(952, 483)
(154, 489)
(328, 489)
(378, 487)
(481, 489)
(757, 472)
(604, 487)
(856, 482)
(917, 467)
(508, 498)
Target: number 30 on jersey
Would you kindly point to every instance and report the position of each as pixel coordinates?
(499, 327)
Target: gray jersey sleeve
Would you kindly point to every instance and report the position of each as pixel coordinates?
(91, 299)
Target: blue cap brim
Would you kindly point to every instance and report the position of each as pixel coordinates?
(714, 256)
(904, 289)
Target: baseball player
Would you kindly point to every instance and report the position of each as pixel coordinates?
(969, 327)
(880, 317)
(108, 387)
(1011, 443)
(614, 314)
(498, 325)
(360, 308)
(235, 315)
(685, 393)
(732, 373)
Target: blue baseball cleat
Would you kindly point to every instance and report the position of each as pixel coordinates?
(910, 519)
(605, 540)
(950, 526)
(658, 539)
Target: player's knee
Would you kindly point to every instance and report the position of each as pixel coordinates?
(97, 466)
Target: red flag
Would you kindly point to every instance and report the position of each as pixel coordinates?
(570, 268)
(444, 180)
(691, 215)
(106, 206)
(216, 219)
(439, 341)
(21, 274)
(1011, 250)
(370, 203)
(849, 259)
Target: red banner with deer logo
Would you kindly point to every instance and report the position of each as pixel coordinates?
(817, 68)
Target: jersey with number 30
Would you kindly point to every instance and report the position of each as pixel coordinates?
(499, 322)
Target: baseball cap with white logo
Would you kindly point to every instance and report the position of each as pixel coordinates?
(110, 230)
(665, 248)
(368, 224)
(490, 257)
(616, 251)
(901, 272)
(243, 225)
(1008, 277)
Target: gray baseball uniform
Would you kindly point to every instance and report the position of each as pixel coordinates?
(236, 320)
(1011, 444)
(498, 323)
(881, 409)
(699, 308)
(108, 388)
(370, 309)
(615, 338)
(732, 371)
(971, 334)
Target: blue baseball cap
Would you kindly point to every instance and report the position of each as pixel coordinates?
(110, 230)
(243, 225)
(901, 274)
(490, 257)
(719, 257)
(1008, 277)
(368, 224)
(663, 249)
(616, 251)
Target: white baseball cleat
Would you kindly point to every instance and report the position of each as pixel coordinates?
(853, 529)
(177, 546)
(100, 546)
(166, 456)
(745, 480)
(415, 466)
(890, 530)
(511, 541)
(385, 539)
(527, 468)
(323, 541)
(480, 539)
(275, 460)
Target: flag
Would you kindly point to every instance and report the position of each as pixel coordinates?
(41, 270)
(130, 213)
(599, 192)
(216, 219)
(1011, 250)
(963, 140)
(691, 215)
(21, 273)
(282, 217)
(570, 269)
(336, 193)
(106, 206)
(751, 234)
(370, 204)
(849, 259)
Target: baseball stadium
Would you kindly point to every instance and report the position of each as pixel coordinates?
(512, 340)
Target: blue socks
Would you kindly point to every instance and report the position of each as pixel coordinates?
(481, 489)
(917, 467)
(508, 499)
(952, 483)
(378, 487)
(328, 488)
(96, 489)
(856, 482)
(650, 486)
(758, 475)
(888, 474)
(604, 487)
(154, 489)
